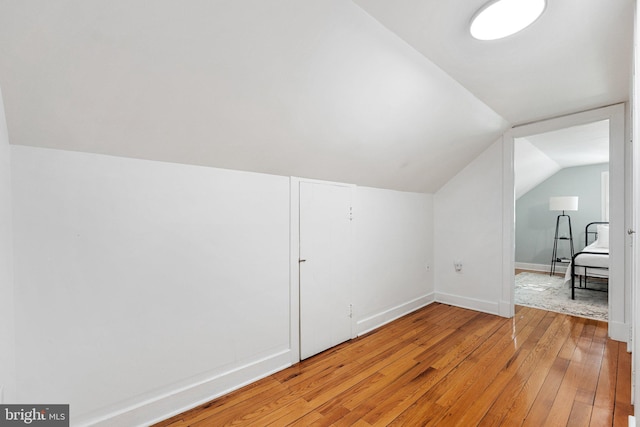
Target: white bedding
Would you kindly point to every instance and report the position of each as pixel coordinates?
(592, 260)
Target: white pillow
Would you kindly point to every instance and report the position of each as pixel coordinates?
(603, 236)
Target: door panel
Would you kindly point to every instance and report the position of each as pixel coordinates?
(325, 266)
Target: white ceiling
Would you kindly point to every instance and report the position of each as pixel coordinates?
(538, 157)
(575, 146)
(312, 89)
(575, 57)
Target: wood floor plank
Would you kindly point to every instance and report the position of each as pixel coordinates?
(539, 412)
(623, 381)
(407, 396)
(529, 378)
(580, 415)
(525, 398)
(561, 408)
(592, 363)
(307, 420)
(623, 406)
(449, 390)
(444, 365)
(384, 382)
(570, 345)
(247, 410)
(487, 360)
(600, 417)
(283, 414)
(225, 403)
(483, 391)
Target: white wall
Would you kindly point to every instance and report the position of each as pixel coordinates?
(394, 246)
(7, 333)
(468, 227)
(635, 224)
(135, 279)
(144, 288)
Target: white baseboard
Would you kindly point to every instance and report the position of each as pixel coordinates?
(619, 331)
(506, 309)
(168, 404)
(470, 303)
(546, 268)
(373, 322)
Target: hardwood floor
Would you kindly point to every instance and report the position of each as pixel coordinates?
(445, 366)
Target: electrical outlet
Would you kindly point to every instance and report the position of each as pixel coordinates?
(457, 264)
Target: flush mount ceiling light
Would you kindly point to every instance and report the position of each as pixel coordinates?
(501, 18)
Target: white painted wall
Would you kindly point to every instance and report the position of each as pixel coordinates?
(635, 148)
(394, 246)
(7, 332)
(468, 227)
(135, 279)
(144, 288)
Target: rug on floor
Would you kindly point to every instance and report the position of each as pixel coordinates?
(551, 293)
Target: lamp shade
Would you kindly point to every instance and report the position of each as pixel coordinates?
(563, 203)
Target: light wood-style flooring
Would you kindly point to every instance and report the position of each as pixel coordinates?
(445, 366)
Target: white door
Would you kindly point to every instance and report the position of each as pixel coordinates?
(325, 266)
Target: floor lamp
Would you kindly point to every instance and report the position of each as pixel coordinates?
(562, 204)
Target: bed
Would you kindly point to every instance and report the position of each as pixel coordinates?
(593, 260)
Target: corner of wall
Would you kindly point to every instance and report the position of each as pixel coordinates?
(468, 215)
(7, 322)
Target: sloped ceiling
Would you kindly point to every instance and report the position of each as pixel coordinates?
(538, 157)
(315, 89)
(575, 57)
(575, 146)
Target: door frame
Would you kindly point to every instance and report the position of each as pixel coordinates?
(294, 256)
(619, 301)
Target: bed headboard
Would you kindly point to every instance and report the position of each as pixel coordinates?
(593, 231)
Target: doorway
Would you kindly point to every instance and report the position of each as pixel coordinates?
(557, 170)
(618, 307)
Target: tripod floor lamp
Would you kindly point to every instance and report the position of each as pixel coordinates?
(562, 204)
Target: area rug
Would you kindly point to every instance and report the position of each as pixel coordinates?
(552, 293)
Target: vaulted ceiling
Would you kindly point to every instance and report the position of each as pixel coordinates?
(538, 157)
(385, 94)
(575, 57)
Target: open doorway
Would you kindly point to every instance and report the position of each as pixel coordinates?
(618, 290)
(562, 214)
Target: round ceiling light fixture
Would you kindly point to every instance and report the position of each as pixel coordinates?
(501, 18)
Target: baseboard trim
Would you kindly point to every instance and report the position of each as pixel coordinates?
(506, 309)
(545, 268)
(619, 331)
(373, 322)
(470, 303)
(163, 406)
